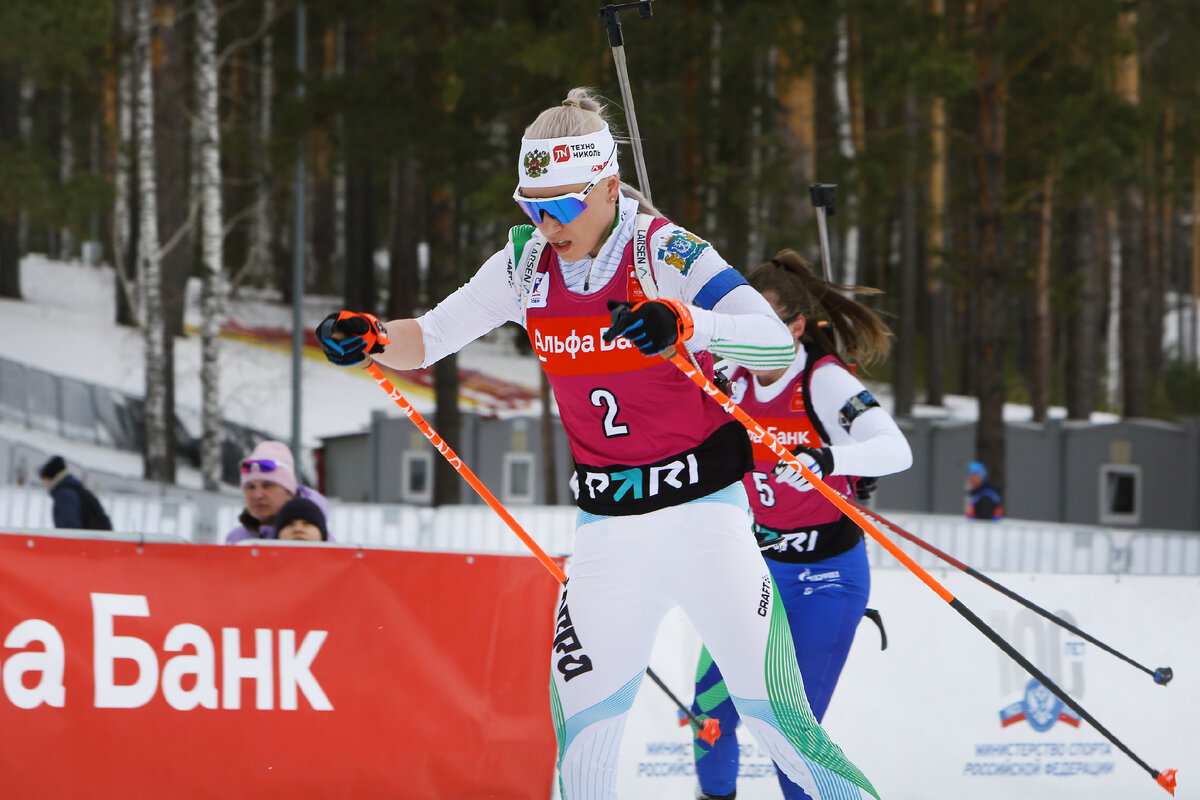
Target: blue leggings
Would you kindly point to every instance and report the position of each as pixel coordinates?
(824, 601)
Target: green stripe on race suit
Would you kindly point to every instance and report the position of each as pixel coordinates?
(785, 691)
(752, 356)
(560, 730)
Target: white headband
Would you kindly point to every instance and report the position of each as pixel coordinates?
(567, 160)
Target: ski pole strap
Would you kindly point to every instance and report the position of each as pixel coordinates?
(874, 615)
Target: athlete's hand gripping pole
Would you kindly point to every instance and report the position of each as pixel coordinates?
(710, 729)
(1165, 778)
(1162, 676)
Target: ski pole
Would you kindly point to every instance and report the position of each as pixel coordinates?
(1165, 778)
(1162, 676)
(709, 729)
(611, 14)
(823, 203)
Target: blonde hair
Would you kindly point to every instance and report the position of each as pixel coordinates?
(580, 113)
(798, 291)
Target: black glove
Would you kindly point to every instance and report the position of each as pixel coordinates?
(864, 488)
(651, 325)
(819, 461)
(822, 455)
(722, 382)
(347, 337)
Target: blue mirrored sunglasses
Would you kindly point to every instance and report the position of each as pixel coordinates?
(564, 207)
(259, 465)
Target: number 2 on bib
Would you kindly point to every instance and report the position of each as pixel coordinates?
(603, 398)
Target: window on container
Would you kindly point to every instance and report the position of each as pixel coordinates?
(416, 476)
(518, 477)
(1120, 494)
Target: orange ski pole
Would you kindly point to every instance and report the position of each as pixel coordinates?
(1166, 778)
(709, 729)
(440, 444)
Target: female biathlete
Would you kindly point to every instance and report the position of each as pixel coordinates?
(663, 517)
(818, 409)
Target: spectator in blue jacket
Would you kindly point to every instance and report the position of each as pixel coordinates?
(983, 501)
(74, 506)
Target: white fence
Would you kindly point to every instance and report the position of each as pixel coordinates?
(453, 528)
(31, 509)
(1031, 547)
(1008, 546)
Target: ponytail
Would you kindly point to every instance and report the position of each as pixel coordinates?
(798, 292)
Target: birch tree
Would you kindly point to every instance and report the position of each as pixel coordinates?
(128, 285)
(158, 464)
(260, 267)
(845, 136)
(211, 234)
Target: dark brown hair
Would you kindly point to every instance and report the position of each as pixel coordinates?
(856, 327)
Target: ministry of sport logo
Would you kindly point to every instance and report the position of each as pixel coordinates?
(1062, 660)
(1040, 707)
(1033, 745)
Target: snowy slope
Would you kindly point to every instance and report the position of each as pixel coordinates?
(81, 341)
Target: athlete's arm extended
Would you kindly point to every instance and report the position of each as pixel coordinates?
(485, 302)
(864, 439)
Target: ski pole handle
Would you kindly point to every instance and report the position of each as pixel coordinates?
(823, 203)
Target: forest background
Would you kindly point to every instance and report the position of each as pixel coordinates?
(1021, 178)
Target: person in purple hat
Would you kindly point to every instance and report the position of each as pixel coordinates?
(269, 481)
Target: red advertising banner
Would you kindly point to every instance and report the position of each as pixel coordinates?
(196, 671)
